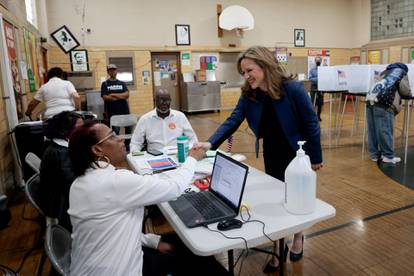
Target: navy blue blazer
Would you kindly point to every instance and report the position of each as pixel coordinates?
(294, 111)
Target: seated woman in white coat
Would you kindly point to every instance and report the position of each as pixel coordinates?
(107, 207)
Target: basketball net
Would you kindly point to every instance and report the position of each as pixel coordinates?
(240, 31)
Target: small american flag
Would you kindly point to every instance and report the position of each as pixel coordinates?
(229, 143)
(341, 74)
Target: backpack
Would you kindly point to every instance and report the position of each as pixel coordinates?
(383, 92)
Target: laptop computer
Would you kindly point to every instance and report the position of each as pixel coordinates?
(222, 200)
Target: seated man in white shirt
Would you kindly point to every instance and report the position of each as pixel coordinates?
(161, 126)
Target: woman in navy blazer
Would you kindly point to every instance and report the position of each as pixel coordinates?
(279, 111)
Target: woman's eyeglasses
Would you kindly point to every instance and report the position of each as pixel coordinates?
(109, 136)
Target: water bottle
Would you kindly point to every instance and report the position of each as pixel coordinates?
(300, 184)
(182, 148)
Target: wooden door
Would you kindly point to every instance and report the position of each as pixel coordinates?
(165, 74)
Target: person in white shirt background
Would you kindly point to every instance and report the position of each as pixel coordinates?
(57, 94)
(107, 203)
(161, 126)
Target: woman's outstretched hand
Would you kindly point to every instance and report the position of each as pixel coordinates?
(204, 145)
(316, 167)
(197, 153)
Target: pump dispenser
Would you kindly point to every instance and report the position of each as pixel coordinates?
(300, 184)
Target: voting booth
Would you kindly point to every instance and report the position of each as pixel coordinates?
(353, 78)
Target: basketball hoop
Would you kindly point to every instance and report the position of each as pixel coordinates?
(238, 18)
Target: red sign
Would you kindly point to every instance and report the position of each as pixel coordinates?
(324, 52)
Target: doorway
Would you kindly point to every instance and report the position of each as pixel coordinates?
(165, 74)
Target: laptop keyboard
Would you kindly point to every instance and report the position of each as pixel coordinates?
(207, 209)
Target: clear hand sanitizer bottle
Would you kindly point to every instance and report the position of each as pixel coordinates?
(300, 184)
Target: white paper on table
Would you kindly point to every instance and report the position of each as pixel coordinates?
(301, 76)
(204, 166)
(170, 150)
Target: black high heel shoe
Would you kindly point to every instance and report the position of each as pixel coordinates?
(294, 257)
(269, 268)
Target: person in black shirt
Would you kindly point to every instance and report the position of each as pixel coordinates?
(56, 171)
(115, 95)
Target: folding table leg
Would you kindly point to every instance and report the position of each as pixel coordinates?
(282, 256)
(365, 131)
(407, 129)
(231, 261)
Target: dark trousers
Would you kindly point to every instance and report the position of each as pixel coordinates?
(181, 262)
(318, 101)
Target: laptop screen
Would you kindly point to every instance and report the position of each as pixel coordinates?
(228, 179)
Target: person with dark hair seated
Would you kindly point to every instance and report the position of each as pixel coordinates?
(57, 94)
(56, 172)
(107, 203)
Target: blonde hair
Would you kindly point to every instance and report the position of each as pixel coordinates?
(274, 73)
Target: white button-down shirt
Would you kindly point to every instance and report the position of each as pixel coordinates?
(57, 94)
(106, 211)
(160, 133)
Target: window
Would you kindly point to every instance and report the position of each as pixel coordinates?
(125, 64)
(391, 19)
(31, 15)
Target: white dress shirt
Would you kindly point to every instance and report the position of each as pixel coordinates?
(159, 132)
(57, 94)
(106, 211)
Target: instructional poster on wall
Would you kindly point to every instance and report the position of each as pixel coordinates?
(282, 55)
(31, 58)
(185, 59)
(324, 55)
(14, 65)
(374, 57)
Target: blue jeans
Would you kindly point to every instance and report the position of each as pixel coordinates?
(380, 132)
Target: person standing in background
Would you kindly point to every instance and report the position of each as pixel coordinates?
(383, 104)
(57, 94)
(317, 96)
(115, 95)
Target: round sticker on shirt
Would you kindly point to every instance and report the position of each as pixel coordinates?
(171, 125)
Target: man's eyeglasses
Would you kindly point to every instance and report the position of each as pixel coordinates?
(109, 136)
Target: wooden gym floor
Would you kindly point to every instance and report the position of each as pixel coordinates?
(371, 234)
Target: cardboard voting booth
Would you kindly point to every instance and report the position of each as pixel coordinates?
(411, 77)
(353, 78)
(333, 78)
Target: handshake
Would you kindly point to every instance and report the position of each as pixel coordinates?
(199, 149)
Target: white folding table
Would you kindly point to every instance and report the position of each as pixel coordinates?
(264, 195)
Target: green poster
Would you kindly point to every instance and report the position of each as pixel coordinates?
(32, 83)
(412, 53)
(185, 56)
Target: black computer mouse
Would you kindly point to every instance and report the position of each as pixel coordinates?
(229, 224)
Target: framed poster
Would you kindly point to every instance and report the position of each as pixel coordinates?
(299, 37)
(182, 34)
(65, 39)
(79, 60)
